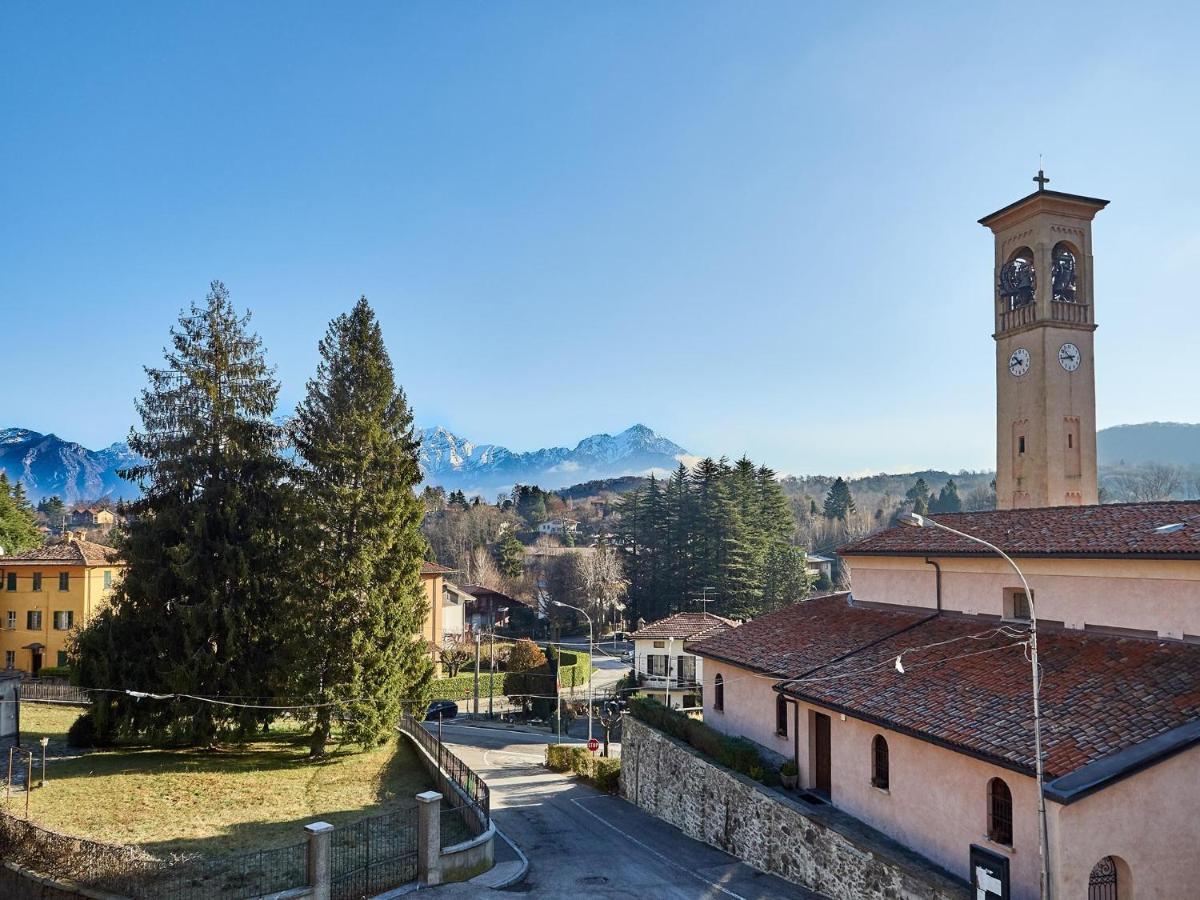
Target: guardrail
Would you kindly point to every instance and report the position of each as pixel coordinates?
(53, 691)
(456, 780)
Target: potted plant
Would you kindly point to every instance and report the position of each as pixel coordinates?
(789, 775)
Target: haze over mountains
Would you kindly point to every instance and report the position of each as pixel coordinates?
(47, 464)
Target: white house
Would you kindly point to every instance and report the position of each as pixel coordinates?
(454, 602)
(559, 527)
(663, 663)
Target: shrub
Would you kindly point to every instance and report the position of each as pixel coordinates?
(558, 757)
(601, 772)
(789, 769)
(82, 733)
(54, 672)
(735, 753)
(462, 687)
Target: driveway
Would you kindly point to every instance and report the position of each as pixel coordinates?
(582, 843)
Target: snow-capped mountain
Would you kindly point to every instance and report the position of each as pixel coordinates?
(456, 463)
(45, 465)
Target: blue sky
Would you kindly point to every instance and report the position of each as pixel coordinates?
(750, 226)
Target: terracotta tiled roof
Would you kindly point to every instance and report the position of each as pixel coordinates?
(74, 552)
(1100, 694)
(686, 626)
(1118, 529)
(805, 635)
(428, 568)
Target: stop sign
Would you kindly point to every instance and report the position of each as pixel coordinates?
(593, 744)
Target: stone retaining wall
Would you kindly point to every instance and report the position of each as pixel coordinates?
(819, 848)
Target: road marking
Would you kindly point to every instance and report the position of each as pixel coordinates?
(651, 850)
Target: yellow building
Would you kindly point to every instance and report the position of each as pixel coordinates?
(48, 591)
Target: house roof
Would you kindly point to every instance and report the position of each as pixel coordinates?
(805, 635)
(967, 686)
(1110, 530)
(479, 592)
(73, 552)
(429, 568)
(688, 626)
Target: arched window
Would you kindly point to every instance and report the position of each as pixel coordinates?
(781, 715)
(719, 693)
(999, 812)
(1018, 280)
(1063, 273)
(879, 762)
(1107, 878)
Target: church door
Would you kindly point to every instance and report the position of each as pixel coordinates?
(822, 777)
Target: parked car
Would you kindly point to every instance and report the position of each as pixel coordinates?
(441, 709)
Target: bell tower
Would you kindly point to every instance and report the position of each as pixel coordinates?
(1045, 371)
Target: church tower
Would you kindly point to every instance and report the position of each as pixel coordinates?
(1045, 371)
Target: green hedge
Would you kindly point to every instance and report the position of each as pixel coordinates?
(462, 687)
(601, 772)
(738, 754)
(54, 672)
(572, 673)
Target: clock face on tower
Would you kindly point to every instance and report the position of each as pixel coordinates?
(1068, 357)
(1018, 363)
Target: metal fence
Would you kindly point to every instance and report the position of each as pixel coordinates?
(466, 794)
(237, 877)
(373, 855)
(52, 689)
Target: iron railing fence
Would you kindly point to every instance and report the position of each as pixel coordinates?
(239, 877)
(34, 689)
(457, 783)
(374, 855)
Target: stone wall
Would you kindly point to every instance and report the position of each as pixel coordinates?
(817, 847)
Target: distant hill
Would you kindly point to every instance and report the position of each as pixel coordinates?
(46, 465)
(1175, 443)
(456, 463)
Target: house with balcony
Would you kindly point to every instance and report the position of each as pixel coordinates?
(664, 665)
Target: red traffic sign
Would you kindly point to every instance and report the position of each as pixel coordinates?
(593, 744)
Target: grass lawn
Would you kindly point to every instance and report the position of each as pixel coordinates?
(216, 802)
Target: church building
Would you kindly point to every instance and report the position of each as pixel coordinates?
(908, 702)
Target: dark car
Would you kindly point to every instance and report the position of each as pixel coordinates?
(441, 709)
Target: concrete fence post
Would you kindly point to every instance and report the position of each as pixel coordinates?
(320, 870)
(429, 838)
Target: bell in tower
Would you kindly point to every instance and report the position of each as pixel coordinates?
(1045, 371)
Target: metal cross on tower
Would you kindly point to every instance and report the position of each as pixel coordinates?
(1041, 180)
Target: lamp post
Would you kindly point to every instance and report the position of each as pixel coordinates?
(591, 641)
(44, 741)
(919, 521)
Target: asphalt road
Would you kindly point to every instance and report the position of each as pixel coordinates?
(582, 843)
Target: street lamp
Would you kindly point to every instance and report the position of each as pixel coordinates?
(591, 640)
(44, 742)
(919, 521)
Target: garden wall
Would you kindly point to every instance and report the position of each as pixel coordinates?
(819, 848)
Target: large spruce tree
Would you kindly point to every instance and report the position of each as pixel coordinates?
(18, 525)
(359, 604)
(198, 609)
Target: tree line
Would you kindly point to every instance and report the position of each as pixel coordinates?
(265, 563)
(719, 530)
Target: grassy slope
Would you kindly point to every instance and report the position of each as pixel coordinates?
(200, 802)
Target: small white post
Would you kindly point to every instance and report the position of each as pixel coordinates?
(320, 874)
(429, 838)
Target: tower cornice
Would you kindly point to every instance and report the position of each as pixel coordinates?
(1041, 202)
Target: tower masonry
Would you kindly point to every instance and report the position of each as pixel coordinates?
(1045, 318)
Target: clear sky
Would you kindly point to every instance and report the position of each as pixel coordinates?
(750, 226)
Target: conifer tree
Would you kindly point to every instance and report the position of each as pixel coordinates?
(839, 503)
(18, 525)
(510, 556)
(948, 500)
(918, 496)
(357, 613)
(198, 609)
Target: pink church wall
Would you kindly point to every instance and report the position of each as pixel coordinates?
(1148, 821)
(749, 706)
(1159, 596)
(936, 801)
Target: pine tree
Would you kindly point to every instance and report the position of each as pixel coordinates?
(948, 500)
(510, 556)
(18, 524)
(360, 602)
(198, 609)
(839, 503)
(918, 496)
